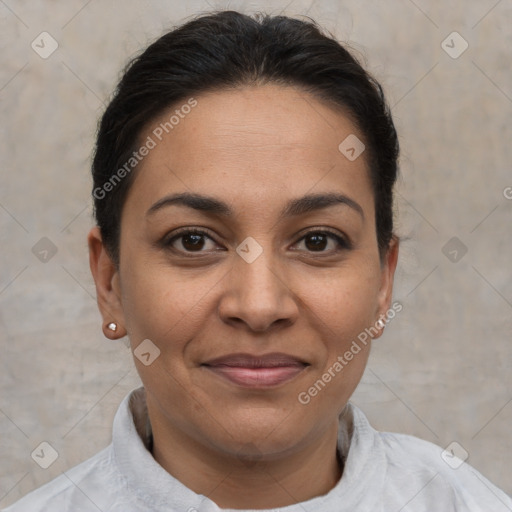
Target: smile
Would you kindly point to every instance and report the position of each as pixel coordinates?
(256, 371)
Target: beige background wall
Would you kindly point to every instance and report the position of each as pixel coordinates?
(442, 371)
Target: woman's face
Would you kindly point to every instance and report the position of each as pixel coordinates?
(256, 283)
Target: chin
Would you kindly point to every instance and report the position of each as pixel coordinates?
(259, 431)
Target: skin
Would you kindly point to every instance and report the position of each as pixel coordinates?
(255, 148)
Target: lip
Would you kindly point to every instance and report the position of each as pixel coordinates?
(256, 371)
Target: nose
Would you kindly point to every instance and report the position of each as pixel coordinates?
(258, 295)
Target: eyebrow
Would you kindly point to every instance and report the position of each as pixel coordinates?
(295, 207)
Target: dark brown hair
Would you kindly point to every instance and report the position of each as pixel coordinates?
(230, 49)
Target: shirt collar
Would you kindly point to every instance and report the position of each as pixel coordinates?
(359, 446)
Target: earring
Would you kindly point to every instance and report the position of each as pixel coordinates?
(112, 326)
(381, 324)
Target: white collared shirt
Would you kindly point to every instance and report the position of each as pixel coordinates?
(383, 472)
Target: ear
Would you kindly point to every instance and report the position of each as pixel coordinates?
(388, 268)
(106, 278)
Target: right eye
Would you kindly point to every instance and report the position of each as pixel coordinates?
(191, 240)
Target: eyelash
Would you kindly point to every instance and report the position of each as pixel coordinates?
(343, 243)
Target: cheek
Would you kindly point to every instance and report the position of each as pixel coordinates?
(341, 309)
(165, 306)
(341, 312)
(345, 301)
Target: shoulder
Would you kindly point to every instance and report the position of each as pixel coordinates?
(80, 488)
(410, 474)
(429, 470)
(98, 483)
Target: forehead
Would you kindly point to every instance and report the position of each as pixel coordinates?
(250, 144)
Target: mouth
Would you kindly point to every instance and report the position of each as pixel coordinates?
(246, 370)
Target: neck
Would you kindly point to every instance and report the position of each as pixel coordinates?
(244, 483)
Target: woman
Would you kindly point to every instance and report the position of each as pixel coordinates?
(243, 188)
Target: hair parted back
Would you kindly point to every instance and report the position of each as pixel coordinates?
(228, 49)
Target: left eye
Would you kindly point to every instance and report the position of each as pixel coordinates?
(316, 241)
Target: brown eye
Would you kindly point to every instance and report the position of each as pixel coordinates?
(318, 241)
(192, 241)
(188, 240)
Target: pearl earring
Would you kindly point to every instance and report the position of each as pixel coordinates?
(112, 326)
